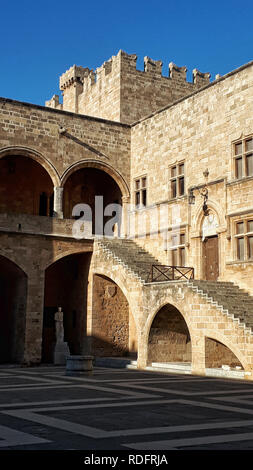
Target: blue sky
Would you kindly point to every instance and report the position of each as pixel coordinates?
(40, 40)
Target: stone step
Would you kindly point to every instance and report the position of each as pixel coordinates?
(114, 362)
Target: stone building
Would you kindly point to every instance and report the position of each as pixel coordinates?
(174, 281)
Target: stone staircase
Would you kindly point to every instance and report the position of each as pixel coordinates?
(229, 298)
(126, 252)
(234, 302)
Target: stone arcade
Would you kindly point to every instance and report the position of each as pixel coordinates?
(177, 156)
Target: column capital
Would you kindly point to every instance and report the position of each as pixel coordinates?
(125, 199)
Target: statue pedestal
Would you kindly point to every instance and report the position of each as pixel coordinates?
(61, 350)
(79, 365)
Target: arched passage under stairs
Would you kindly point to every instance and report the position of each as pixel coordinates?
(169, 338)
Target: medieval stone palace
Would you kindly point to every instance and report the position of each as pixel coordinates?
(129, 206)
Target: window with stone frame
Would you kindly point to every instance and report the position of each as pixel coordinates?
(177, 249)
(243, 157)
(244, 239)
(140, 192)
(177, 180)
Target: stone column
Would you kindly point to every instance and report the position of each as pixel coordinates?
(34, 314)
(124, 230)
(142, 358)
(58, 202)
(198, 355)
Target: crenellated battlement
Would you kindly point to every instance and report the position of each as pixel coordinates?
(200, 78)
(177, 73)
(73, 75)
(117, 90)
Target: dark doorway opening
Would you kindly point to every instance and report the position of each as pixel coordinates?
(13, 294)
(66, 284)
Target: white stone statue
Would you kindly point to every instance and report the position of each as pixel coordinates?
(59, 326)
(61, 350)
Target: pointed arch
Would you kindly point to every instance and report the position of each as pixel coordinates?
(153, 314)
(115, 175)
(169, 338)
(199, 217)
(13, 260)
(36, 156)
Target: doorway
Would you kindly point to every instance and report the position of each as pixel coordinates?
(211, 258)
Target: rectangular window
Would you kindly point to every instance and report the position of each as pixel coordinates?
(243, 158)
(240, 227)
(250, 225)
(238, 149)
(174, 257)
(174, 188)
(177, 180)
(182, 238)
(141, 192)
(244, 239)
(178, 249)
(181, 169)
(238, 167)
(182, 256)
(240, 248)
(249, 164)
(173, 171)
(249, 145)
(137, 198)
(181, 186)
(250, 247)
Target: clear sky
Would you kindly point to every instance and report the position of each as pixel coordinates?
(39, 40)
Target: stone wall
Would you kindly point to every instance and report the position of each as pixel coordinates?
(110, 319)
(35, 131)
(199, 130)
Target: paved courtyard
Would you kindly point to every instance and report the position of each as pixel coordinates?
(121, 409)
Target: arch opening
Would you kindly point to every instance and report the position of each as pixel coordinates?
(218, 354)
(66, 286)
(25, 187)
(97, 189)
(13, 297)
(113, 327)
(169, 338)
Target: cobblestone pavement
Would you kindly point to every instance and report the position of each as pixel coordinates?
(119, 409)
